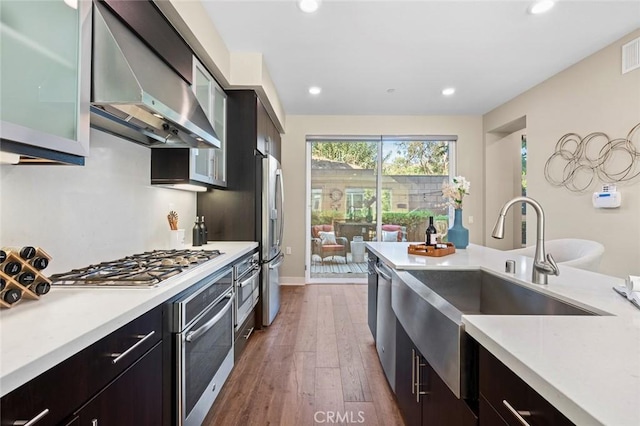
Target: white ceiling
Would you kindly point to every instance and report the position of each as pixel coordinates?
(491, 51)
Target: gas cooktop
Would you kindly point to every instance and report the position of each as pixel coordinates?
(147, 269)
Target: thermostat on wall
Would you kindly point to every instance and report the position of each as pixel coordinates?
(608, 198)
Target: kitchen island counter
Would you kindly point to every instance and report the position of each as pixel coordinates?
(37, 335)
(586, 366)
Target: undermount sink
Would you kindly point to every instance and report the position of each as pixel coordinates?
(430, 305)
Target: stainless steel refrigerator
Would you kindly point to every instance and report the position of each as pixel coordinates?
(272, 232)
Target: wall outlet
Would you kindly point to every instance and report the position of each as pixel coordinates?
(470, 220)
(287, 250)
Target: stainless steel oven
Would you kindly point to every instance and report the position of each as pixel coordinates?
(247, 287)
(204, 333)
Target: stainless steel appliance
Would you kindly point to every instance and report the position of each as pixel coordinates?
(136, 95)
(386, 325)
(203, 326)
(246, 282)
(147, 269)
(272, 232)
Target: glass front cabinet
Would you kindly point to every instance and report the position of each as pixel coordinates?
(45, 76)
(210, 165)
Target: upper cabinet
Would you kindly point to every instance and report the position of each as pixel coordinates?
(45, 79)
(210, 165)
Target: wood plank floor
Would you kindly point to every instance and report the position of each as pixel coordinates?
(316, 364)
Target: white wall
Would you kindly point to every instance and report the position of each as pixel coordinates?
(469, 164)
(82, 215)
(591, 96)
(503, 165)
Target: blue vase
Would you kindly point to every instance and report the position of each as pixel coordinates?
(458, 234)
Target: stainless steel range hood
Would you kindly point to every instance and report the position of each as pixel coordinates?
(136, 95)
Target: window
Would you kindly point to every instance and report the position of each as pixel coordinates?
(316, 199)
(374, 184)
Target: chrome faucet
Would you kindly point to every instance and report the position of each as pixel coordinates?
(543, 264)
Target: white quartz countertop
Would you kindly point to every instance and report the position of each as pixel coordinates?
(37, 335)
(588, 367)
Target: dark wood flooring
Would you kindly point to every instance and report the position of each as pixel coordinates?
(316, 364)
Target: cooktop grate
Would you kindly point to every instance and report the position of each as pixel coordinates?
(140, 270)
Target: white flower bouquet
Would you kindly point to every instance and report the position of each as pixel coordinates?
(455, 191)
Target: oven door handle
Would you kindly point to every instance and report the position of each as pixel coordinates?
(192, 336)
(244, 283)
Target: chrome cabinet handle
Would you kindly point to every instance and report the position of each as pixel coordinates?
(192, 336)
(249, 333)
(419, 365)
(517, 414)
(413, 371)
(33, 421)
(118, 356)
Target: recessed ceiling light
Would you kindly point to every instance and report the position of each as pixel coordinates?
(315, 90)
(541, 6)
(448, 91)
(308, 6)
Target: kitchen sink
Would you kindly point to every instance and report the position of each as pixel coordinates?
(430, 305)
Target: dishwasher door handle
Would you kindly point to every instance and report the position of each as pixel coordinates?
(384, 274)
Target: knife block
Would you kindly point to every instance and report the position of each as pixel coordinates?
(26, 293)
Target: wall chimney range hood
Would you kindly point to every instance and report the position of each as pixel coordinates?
(136, 95)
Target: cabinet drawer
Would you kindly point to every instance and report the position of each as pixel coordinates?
(63, 388)
(507, 394)
(111, 355)
(488, 415)
(243, 335)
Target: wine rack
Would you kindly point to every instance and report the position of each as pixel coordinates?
(11, 281)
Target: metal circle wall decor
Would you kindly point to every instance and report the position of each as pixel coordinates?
(578, 161)
(335, 194)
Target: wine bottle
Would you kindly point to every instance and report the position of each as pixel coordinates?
(27, 252)
(3, 256)
(203, 232)
(3, 283)
(26, 278)
(431, 234)
(11, 295)
(12, 268)
(196, 234)
(39, 263)
(40, 288)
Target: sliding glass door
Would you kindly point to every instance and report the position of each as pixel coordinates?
(371, 189)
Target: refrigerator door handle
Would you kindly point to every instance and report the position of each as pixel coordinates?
(281, 230)
(277, 262)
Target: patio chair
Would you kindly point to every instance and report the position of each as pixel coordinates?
(324, 242)
(394, 233)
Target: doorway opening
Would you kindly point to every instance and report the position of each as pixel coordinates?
(362, 189)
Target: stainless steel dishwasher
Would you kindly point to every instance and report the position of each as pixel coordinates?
(386, 325)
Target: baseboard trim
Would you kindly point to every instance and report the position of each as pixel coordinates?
(292, 281)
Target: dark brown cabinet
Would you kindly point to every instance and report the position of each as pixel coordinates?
(133, 398)
(505, 396)
(423, 398)
(235, 213)
(63, 389)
